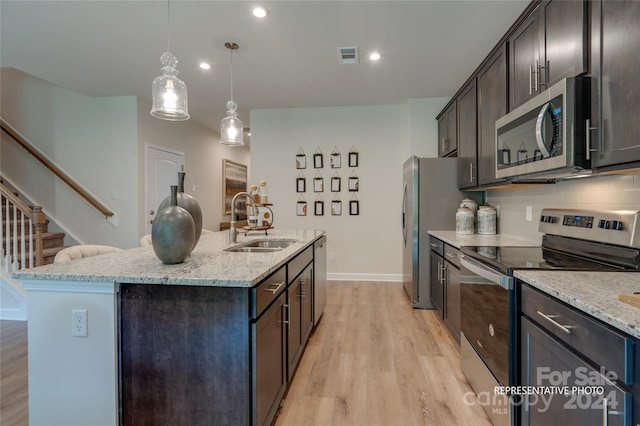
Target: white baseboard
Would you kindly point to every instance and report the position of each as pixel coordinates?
(364, 277)
(13, 305)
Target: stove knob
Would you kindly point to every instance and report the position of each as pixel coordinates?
(618, 226)
(606, 225)
(543, 219)
(552, 219)
(601, 223)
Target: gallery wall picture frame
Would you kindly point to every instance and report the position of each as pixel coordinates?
(336, 207)
(336, 159)
(318, 159)
(301, 184)
(301, 159)
(354, 183)
(336, 183)
(234, 180)
(318, 184)
(301, 207)
(354, 207)
(318, 208)
(353, 157)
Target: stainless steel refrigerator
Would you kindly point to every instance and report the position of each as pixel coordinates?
(429, 203)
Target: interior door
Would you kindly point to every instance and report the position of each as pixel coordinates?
(161, 171)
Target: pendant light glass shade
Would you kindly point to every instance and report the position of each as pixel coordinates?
(231, 127)
(169, 93)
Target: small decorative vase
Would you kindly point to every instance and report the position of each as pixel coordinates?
(487, 220)
(173, 232)
(464, 221)
(188, 203)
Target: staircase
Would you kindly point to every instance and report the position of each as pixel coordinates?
(20, 247)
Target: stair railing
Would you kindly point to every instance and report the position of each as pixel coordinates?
(24, 230)
(54, 168)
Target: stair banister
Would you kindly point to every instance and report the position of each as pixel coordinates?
(54, 168)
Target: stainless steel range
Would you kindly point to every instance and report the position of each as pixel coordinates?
(572, 240)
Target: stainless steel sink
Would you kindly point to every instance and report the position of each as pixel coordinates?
(261, 246)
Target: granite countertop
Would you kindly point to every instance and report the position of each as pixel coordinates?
(208, 264)
(458, 240)
(595, 293)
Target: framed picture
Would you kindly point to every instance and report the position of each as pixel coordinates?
(336, 207)
(335, 184)
(336, 160)
(318, 161)
(354, 184)
(354, 207)
(301, 161)
(234, 180)
(301, 184)
(353, 159)
(318, 184)
(301, 208)
(319, 208)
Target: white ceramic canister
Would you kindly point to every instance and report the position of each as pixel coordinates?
(465, 221)
(470, 204)
(487, 220)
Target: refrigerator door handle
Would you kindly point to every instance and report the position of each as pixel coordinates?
(404, 208)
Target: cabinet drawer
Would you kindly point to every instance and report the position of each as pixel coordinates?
(299, 263)
(597, 342)
(451, 255)
(436, 245)
(265, 292)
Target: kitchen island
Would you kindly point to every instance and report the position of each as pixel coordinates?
(213, 340)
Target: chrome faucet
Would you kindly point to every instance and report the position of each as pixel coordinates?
(233, 232)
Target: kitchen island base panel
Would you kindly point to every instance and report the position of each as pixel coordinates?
(185, 356)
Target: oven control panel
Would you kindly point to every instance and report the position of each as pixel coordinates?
(621, 227)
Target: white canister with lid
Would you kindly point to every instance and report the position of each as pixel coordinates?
(470, 204)
(465, 221)
(487, 216)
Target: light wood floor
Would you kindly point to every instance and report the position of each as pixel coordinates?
(373, 360)
(13, 374)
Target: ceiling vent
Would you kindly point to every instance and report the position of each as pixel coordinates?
(348, 55)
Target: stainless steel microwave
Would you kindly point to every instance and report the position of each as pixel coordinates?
(546, 137)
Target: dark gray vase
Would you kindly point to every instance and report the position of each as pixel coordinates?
(188, 203)
(173, 232)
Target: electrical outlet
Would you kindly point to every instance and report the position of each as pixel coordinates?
(529, 214)
(79, 323)
(332, 256)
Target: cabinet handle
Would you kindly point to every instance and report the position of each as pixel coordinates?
(550, 318)
(435, 245)
(541, 80)
(439, 272)
(530, 79)
(451, 255)
(588, 148)
(536, 76)
(274, 288)
(471, 172)
(445, 273)
(288, 321)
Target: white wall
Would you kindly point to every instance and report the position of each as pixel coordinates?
(595, 193)
(203, 161)
(367, 246)
(93, 139)
(423, 127)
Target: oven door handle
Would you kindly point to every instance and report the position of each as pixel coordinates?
(503, 281)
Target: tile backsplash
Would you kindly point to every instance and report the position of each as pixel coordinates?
(619, 192)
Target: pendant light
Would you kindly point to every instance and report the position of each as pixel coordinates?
(231, 127)
(169, 93)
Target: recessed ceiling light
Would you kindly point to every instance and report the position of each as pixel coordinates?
(260, 12)
(205, 66)
(374, 56)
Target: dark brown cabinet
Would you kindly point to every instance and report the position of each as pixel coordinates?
(203, 355)
(270, 378)
(492, 104)
(467, 137)
(546, 47)
(445, 284)
(299, 307)
(615, 90)
(447, 131)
